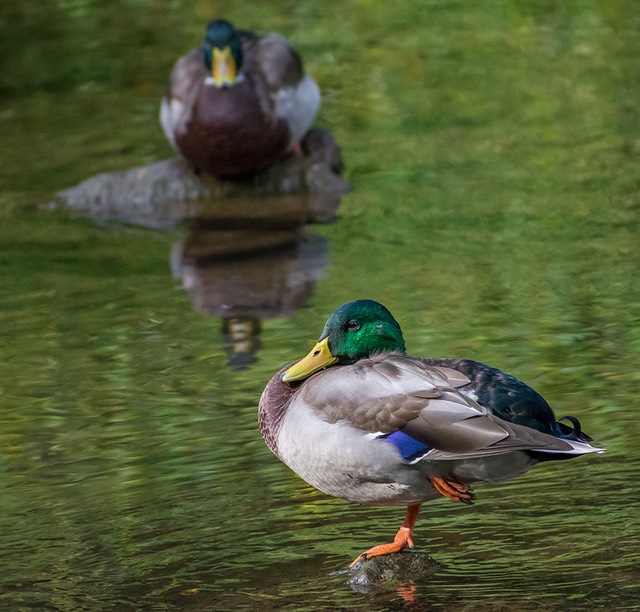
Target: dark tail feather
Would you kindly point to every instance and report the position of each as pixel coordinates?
(575, 432)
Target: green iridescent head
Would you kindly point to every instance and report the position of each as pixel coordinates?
(354, 331)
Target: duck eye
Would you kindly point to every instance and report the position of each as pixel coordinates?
(353, 325)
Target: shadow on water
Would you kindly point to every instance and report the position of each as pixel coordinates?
(246, 256)
(248, 274)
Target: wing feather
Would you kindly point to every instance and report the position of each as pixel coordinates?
(391, 392)
(384, 393)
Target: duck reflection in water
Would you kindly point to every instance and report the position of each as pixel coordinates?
(245, 273)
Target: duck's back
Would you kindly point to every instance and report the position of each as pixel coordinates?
(508, 398)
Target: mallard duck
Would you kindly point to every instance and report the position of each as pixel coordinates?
(357, 418)
(239, 103)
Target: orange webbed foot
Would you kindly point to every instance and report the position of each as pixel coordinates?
(402, 540)
(454, 490)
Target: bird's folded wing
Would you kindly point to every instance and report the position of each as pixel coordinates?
(394, 393)
(384, 394)
(187, 76)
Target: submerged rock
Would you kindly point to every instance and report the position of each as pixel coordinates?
(390, 571)
(166, 193)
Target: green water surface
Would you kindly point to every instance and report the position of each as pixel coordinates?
(494, 152)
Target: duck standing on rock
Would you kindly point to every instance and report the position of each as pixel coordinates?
(237, 105)
(357, 418)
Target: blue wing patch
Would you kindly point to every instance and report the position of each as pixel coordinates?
(411, 449)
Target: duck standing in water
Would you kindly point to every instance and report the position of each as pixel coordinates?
(237, 105)
(357, 418)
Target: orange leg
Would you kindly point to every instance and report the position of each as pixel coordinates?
(453, 489)
(402, 539)
(295, 148)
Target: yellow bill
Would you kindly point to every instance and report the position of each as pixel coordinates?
(319, 357)
(224, 71)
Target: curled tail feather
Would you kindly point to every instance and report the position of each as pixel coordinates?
(575, 432)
